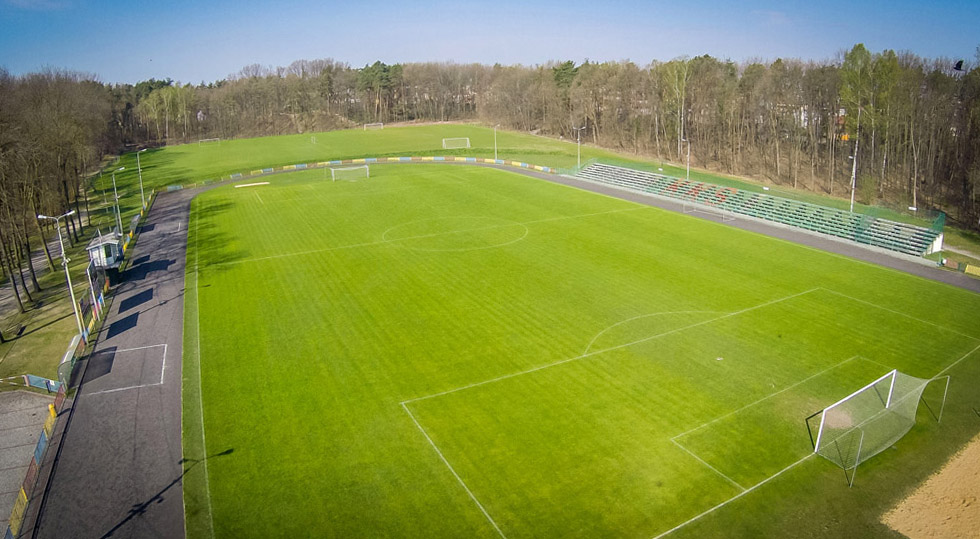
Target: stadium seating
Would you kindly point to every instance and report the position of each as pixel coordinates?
(891, 235)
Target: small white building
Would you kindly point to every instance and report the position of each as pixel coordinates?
(105, 250)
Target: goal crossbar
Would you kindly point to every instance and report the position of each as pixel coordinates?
(377, 125)
(455, 142)
(823, 416)
(343, 173)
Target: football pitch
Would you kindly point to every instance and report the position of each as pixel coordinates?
(459, 351)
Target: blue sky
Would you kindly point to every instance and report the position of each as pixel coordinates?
(195, 41)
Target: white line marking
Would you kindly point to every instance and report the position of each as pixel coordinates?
(699, 459)
(257, 196)
(589, 347)
(617, 347)
(163, 367)
(953, 364)
(200, 378)
(452, 470)
(251, 184)
(944, 328)
(386, 242)
(103, 392)
(735, 497)
(163, 371)
(164, 345)
(787, 388)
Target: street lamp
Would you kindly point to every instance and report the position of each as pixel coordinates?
(116, 194)
(139, 170)
(495, 141)
(578, 132)
(688, 158)
(64, 262)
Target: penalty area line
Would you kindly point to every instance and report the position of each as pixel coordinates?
(617, 347)
(702, 461)
(733, 498)
(453, 470)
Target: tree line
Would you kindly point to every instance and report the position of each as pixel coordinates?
(906, 127)
(913, 123)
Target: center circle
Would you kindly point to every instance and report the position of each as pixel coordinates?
(467, 233)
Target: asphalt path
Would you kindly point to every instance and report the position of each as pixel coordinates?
(117, 471)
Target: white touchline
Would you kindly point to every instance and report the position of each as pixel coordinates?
(200, 379)
(944, 328)
(453, 471)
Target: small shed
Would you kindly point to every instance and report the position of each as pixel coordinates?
(105, 250)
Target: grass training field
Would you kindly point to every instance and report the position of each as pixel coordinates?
(458, 351)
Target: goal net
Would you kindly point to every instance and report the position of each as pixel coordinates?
(455, 143)
(208, 141)
(351, 174)
(868, 421)
(691, 205)
(378, 125)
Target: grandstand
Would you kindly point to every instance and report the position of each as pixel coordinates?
(865, 229)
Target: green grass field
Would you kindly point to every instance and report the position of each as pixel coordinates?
(453, 351)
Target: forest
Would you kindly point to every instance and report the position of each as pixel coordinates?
(907, 128)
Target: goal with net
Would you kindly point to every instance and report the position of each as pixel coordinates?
(455, 143)
(207, 141)
(691, 204)
(870, 420)
(377, 125)
(351, 174)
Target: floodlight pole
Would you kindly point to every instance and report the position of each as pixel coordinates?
(116, 194)
(854, 163)
(139, 170)
(64, 262)
(688, 158)
(578, 132)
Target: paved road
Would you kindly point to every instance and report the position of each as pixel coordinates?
(118, 469)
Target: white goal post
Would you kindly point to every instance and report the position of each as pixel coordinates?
(870, 420)
(204, 141)
(378, 125)
(350, 173)
(455, 143)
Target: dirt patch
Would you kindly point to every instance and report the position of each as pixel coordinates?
(946, 505)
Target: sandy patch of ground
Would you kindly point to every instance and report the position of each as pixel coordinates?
(947, 504)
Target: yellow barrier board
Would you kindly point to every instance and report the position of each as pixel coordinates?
(17, 515)
(358, 161)
(289, 167)
(256, 172)
(972, 270)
